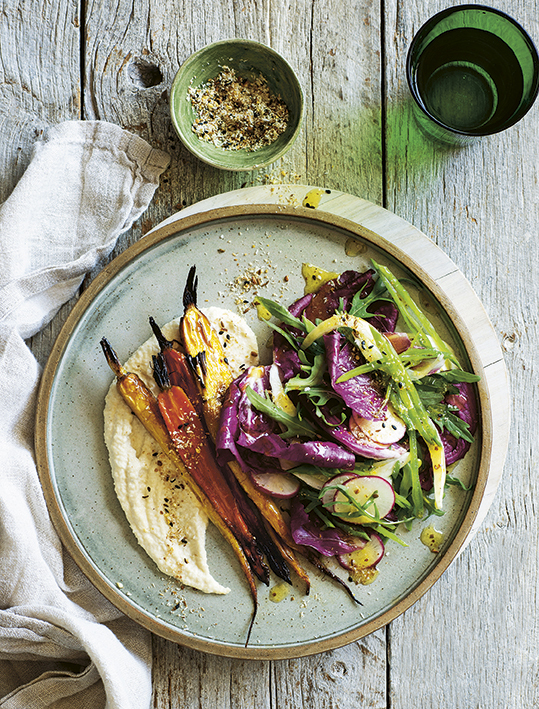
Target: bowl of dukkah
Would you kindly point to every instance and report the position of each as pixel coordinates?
(236, 105)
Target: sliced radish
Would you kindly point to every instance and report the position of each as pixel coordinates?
(383, 468)
(384, 431)
(345, 559)
(328, 490)
(276, 484)
(368, 491)
(400, 341)
(317, 482)
(364, 557)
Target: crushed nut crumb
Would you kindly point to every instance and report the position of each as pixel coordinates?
(237, 113)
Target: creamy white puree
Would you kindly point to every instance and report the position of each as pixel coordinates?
(163, 513)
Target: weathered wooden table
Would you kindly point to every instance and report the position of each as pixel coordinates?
(471, 641)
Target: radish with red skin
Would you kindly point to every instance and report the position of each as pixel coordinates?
(365, 557)
(368, 491)
(279, 485)
(328, 490)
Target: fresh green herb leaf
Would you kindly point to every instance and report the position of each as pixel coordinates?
(459, 375)
(361, 302)
(293, 341)
(281, 313)
(432, 391)
(314, 377)
(453, 424)
(293, 424)
(452, 480)
(321, 399)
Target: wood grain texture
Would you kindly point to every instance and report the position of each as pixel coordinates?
(346, 678)
(309, 36)
(472, 640)
(39, 77)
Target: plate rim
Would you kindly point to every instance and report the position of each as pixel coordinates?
(75, 548)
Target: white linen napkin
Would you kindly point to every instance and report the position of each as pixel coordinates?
(62, 644)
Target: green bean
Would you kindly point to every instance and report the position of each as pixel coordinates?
(410, 312)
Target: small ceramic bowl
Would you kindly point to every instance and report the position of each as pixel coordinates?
(250, 60)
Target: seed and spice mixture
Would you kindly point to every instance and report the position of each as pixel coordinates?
(237, 113)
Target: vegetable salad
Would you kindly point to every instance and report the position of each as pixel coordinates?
(355, 421)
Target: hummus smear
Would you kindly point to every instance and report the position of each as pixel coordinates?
(163, 513)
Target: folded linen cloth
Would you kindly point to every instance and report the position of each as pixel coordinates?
(62, 644)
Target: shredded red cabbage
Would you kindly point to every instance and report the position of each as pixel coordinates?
(327, 542)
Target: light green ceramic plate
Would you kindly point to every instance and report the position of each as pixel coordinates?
(250, 60)
(148, 279)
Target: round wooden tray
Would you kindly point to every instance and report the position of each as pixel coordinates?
(147, 279)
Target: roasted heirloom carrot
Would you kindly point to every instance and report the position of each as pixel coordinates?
(173, 405)
(274, 538)
(191, 443)
(206, 354)
(193, 376)
(214, 376)
(214, 497)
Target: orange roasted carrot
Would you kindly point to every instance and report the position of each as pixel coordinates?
(191, 443)
(145, 406)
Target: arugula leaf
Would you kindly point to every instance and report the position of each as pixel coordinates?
(357, 509)
(293, 341)
(281, 313)
(453, 424)
(432, 391)
(452, 480)
(459, 375)
(320, 397)
(360, 302)
(294, 425)
(314, 377)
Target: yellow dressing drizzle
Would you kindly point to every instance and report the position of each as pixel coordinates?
(432, 539)
(279, 592)
(312, 198)
(314, 277)
(353, 247)
(364, 576)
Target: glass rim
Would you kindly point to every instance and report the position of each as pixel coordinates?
(425, 27)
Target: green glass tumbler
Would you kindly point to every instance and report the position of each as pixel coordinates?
(472, 71)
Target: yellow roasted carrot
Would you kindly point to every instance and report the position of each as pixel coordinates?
(207, 356)
(145, 406)
(202, 344)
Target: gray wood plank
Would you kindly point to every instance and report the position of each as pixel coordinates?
(39, 78)
(345, 678)
(192, 680)
(472, 640)
(330, 71)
